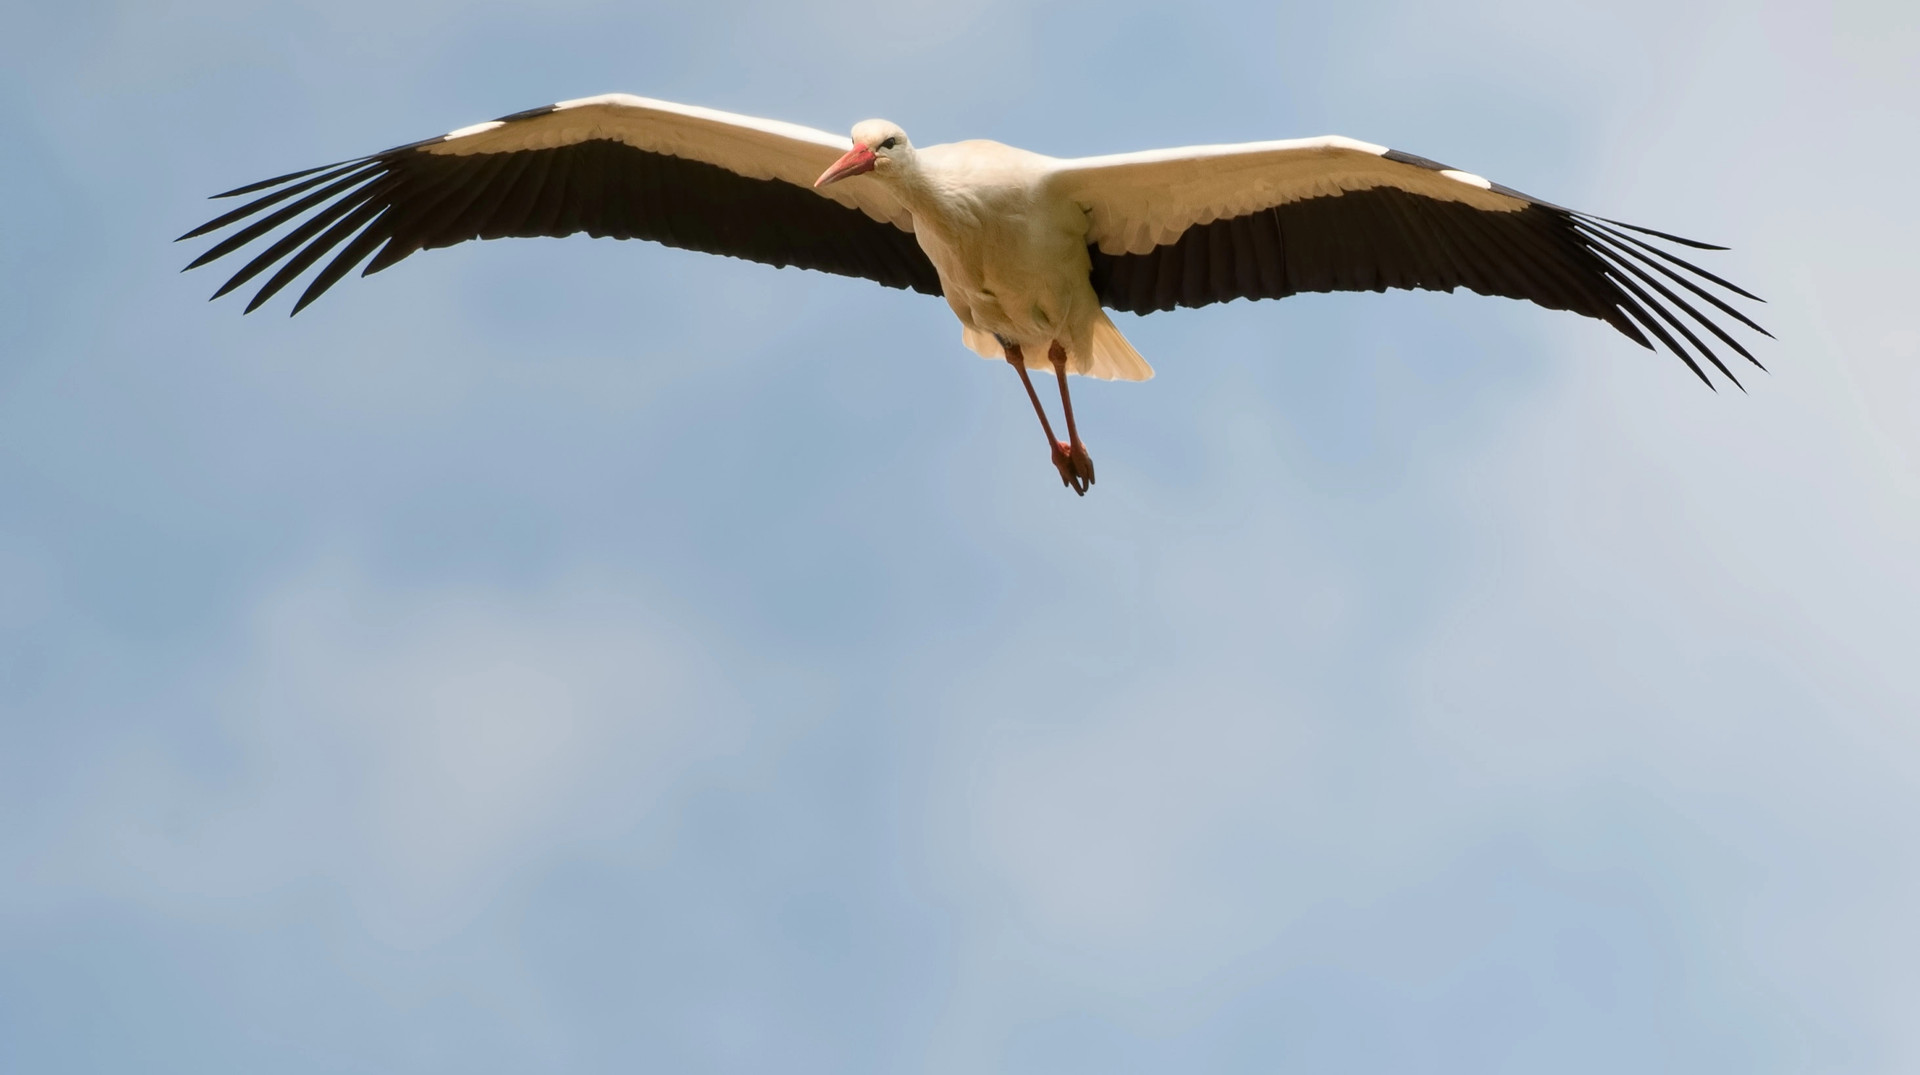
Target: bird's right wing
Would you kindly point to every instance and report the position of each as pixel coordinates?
(620, 166)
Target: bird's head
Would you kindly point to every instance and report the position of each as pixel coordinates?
(878, 147)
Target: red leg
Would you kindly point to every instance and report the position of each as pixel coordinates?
(1076, 451)
(1062, 460)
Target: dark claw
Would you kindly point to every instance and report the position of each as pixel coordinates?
(1063, 462)
(1082, 464)
(1076, 469)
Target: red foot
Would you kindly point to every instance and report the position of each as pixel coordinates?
(1075, 466)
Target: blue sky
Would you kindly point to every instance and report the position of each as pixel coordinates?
(571, 655)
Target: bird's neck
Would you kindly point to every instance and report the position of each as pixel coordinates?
(924, 193)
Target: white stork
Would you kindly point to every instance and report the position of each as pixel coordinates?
(1029, 251)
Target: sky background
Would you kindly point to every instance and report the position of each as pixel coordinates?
(578, 655)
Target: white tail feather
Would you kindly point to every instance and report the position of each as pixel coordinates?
(1113, 358)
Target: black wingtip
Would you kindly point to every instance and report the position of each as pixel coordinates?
(1702, 374)
(1693, 366)
(1694, 243)
(1599, 224)
(211, 225)
(275, 181)
(210, 255)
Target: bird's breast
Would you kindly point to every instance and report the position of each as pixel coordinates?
(1009, 263)
(1000, 238)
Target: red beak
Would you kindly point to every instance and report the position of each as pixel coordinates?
(857, 161)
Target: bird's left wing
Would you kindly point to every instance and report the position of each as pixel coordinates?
(1206, 224)
(618, 165)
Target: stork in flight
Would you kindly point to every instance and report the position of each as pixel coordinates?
(1029, 251)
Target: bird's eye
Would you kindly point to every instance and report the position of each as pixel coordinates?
(889, 143)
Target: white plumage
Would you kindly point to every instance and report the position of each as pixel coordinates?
(1029, 251)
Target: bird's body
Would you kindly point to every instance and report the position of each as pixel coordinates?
(1012, 258)
(1029, 251)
